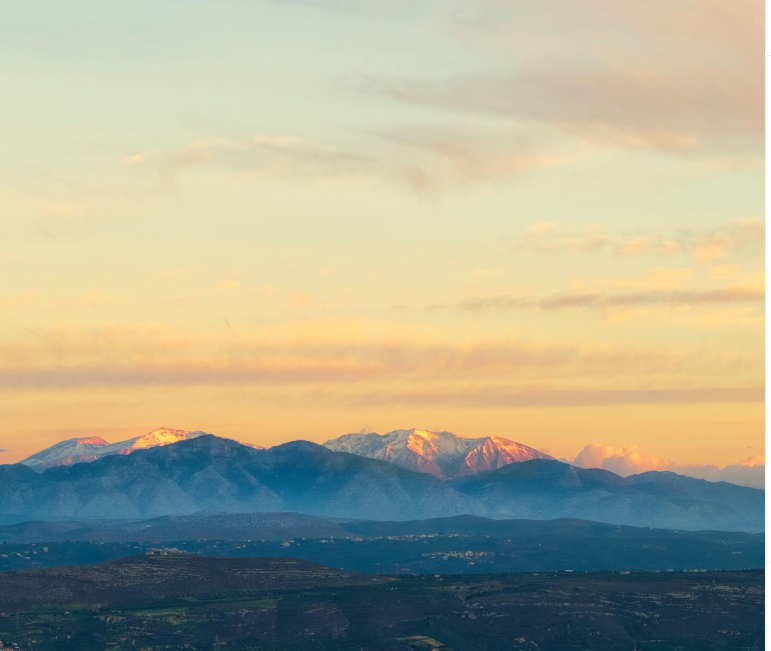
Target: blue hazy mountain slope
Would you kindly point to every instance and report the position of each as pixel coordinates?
(210, 473)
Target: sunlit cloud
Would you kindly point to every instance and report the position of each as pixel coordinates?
(158, 354)
(632, 460)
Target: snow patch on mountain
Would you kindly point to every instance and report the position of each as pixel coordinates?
(91, 448)
(443, 454)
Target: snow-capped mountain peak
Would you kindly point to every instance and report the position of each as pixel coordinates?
(91, 448)
(90, 440)
(443, 454)
(162, 436)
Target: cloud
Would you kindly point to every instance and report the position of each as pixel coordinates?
(507, 397)
(632, 460)
(134, 159)
(698, 92)
(626, 108)
(649, 245)
(280, 158)
(452, 155)
(173, 361)
(426, 160)
(744, 236)
(368, 356)
(718, 244)
(605, 300)
(546, 238)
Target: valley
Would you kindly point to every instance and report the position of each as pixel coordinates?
(457, 545)
(200, 603)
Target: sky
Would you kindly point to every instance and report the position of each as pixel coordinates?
(278, 220)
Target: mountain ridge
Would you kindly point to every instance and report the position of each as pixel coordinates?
(211, 473)
(87, 449)
(442, 454)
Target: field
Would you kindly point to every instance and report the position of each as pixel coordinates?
(154, 603)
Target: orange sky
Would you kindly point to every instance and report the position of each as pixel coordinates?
(298, 220)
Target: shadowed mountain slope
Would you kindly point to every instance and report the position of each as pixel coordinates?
(209, 473)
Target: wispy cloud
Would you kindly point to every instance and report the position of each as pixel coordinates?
(547, 238)
(628, 108)
(158, 355)
(451, 156)
(746, 235)
(505, 397)
(608, 87)
(600, 300)
(426, 160)
(282, 158)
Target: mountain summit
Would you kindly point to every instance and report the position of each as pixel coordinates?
(86, 449)
(442, 454)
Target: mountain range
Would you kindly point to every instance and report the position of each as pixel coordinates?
(442, 454)
(210, 473)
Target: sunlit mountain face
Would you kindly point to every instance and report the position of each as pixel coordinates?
(442, 454)
(91, 448)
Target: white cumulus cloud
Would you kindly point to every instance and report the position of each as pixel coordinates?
(632, 460)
